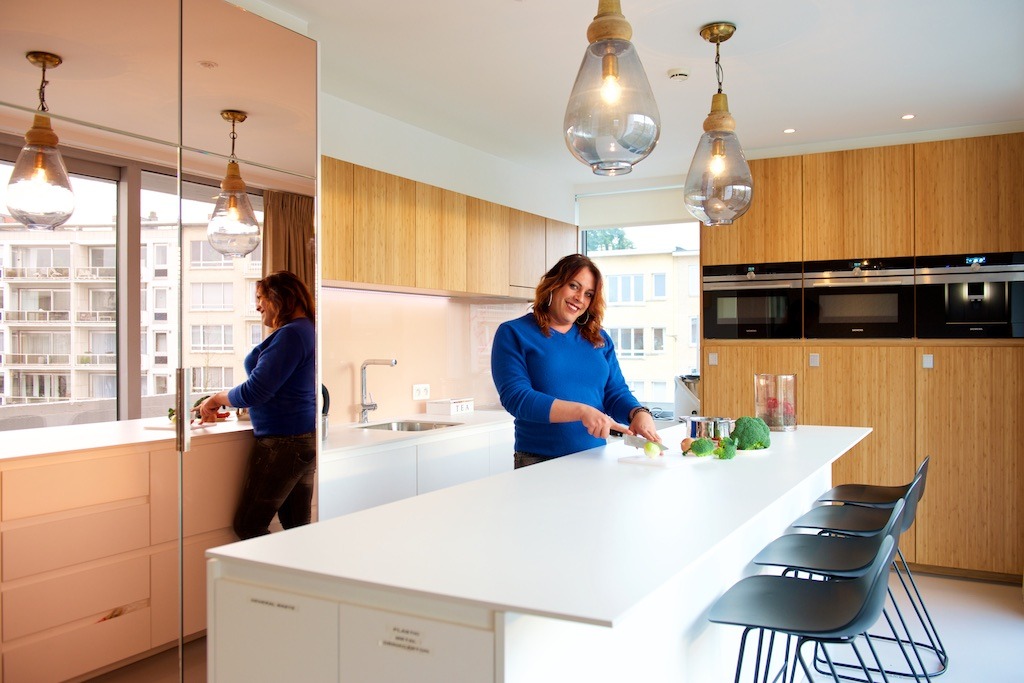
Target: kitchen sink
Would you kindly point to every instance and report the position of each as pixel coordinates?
(409, 426)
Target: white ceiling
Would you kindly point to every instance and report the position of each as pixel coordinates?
(496, 74)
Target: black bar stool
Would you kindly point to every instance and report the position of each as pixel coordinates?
(821, 612)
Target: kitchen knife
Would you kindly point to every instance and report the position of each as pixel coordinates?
(635, 441)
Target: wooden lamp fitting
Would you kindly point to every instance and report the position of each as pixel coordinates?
(609, 23)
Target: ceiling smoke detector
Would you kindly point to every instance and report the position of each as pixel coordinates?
(677, 74)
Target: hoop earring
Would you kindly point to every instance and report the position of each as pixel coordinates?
(550, 294)
(581, 323)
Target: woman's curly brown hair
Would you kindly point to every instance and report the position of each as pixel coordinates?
(556, 278)
(289, 295)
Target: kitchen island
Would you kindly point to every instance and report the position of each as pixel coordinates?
(581, 568)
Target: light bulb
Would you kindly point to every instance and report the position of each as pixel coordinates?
(611, 91)
(39, 193)
(717, 165)
(233, 229)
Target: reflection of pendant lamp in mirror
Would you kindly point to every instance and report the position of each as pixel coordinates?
(612, 120)
(719, 186)
(39, 194)
(233, 230)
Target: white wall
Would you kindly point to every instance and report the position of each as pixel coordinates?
(364, 137)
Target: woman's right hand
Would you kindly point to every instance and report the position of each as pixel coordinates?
(598, 424)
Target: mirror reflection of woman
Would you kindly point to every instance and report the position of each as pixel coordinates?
(280, 394)
(556, 371)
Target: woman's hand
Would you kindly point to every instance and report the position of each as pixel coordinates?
(208, 408)
(597, 423)
(643, 425)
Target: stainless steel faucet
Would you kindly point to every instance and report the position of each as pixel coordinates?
(367, 398)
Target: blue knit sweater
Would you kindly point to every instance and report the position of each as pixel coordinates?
(530, 371)
(281, 390)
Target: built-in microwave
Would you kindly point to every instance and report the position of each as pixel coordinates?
(970, 296)
(752, 301)
(859, 298)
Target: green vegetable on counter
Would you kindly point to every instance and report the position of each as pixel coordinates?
(702, 447)
(726, 449)
(751, 433)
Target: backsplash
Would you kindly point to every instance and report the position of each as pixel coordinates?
(443, 342)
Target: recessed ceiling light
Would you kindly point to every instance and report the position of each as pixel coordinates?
(789, 130)
(907, 117)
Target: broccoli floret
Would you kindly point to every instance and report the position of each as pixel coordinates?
(702, 447)
(726, 449)
(751, 433)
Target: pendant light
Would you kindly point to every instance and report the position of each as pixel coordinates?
(612, 120)
(233, 230)
(39, 193)
(718, 186)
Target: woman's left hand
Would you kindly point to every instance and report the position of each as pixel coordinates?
(642, 424)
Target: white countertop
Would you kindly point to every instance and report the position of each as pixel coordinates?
(582, 538)
(345, 436)
(23, 443)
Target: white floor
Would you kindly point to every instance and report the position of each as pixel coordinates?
(981, 625)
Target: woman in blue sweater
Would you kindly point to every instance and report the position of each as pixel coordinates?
(280, 394)
(556, 371)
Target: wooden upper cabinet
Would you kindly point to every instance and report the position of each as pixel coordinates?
(970, 195)
(384, 244)
(440, 239)
(858, 203)
(487, 230)
(769, 231)
(561, 240)
(336, 216)
(526, 248)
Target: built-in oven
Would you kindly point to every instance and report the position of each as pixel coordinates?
(859, 298)
(753, 301)
(970, 296)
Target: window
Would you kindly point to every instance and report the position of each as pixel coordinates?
(659, 285)
(42, 305)
(255, 333)
(159, 260)
(660, 393)
(102, 306)
(629, 342)
(103, 344)
(212, 338)
(625, 289)
(40, 348)
(658, 340)
(212, 296)
(160, 296)
(205, 256)
(30, 387)
(103, 386)
(212, 378)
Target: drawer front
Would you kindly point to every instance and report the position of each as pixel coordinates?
(71, 485)
(79, 651)
(62, 543)
(98, 593)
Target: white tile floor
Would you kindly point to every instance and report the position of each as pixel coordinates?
(981, 625)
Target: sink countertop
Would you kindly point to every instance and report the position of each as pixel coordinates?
(347, 436)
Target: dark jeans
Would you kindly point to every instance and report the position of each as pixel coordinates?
(525, 459)
(279, 480)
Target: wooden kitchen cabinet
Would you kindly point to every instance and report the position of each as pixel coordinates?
(384, 245)
(727, 376)
(561, 239)
(857, 203)
(440, 239)
(527, 246)
(970, 195)
(336, 219)
(487, 247)
(865, 386)
(970, 416)
(769, 231)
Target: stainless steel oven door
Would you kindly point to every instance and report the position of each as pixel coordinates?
(877, 307)
(768, 310)
(971, 301)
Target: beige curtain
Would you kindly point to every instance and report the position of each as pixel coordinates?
(288, 235)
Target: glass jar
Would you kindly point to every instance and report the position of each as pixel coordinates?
(775, 401)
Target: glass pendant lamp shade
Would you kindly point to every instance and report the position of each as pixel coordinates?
(39, 193)
(719, 186)
(612, 120)
(233, 229)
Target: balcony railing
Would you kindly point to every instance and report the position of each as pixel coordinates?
(38, 316)
(97, 316)
(96, 358)
(38, 273)
(37, 359)
(96, 273)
